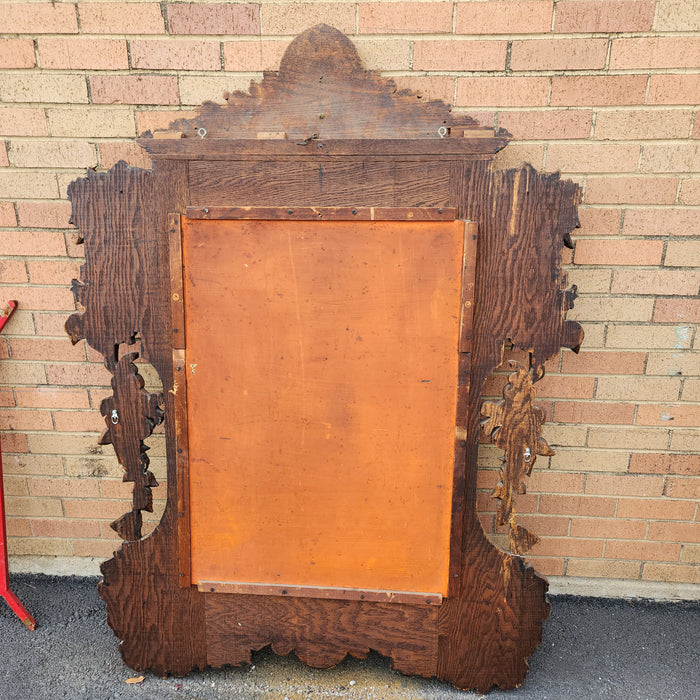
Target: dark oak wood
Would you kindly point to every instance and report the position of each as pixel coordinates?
(322, 132)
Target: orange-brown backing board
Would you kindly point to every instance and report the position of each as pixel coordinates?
(321, 375)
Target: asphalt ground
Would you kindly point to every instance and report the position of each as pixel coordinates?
(592, 648)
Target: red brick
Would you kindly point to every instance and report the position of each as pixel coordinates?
(22, 121)
(12, 272)
(677, 311)
(547, 566)
(45, 349)
(624, 484)
(175, 54)
(60, 527)
(44, 87)
(661, 222)
(462, 55)
(7, 214)
(154, 120)
(121, 18)
(682, 254)
(671, 572)
(25, 419)
(99, 549)
(78, 374)
(41, 298)
(78, 421)
(82, 54)
(681, 464)
(558, 54)
(46, 153)
(598, 222)
(655, 509)
(588, 90)
(52, 397)
(134, 89)
(671, 89)
(679, 487)
(595, 412)
(655, 52)
(50, 324)
(226, 19)
(14, 443)
(111, 152)
(15, 485)
(690, 187)
(669, 415)
(52, 271)
(18, 527)
(115, 488)
(604, 16)
(682, 158)
(546, 482)
(592, 157)
(95, 509)
(568, 547)
(17, 53)
(674, 532)
(554, 386)
(431, 87)
(577, 505)
(662, 282)
(608, 528)
(631, 190)
(39, 18)
(525, 17)
(550, 124)
(7, 399)
(249, 56)
(550, 525)
(53, 214)
(643, 551)
(603, 362)
(404, 17)
(624, 124)
(503, 91)
(20, 185)
(618, 252)
(291, 18)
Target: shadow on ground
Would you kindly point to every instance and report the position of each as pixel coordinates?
(592, 648)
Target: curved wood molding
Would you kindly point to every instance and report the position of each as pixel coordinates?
(324, 132)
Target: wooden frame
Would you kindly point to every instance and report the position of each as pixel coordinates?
(325, 133)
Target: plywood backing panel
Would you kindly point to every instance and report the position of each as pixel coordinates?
(321, 362)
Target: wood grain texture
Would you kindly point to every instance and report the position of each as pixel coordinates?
(322, 90)
(375, 146)
(321, 632)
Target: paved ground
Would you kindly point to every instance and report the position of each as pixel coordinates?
(592, 648)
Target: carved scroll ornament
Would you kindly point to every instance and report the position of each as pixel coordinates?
(515, 425)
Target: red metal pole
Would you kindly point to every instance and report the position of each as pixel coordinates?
(5, 591)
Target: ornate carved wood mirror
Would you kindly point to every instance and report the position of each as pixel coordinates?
(323, 273)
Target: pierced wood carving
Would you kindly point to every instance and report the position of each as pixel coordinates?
(515, 425)
(130, 415)
(323, 132)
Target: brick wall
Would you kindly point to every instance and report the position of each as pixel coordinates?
(603, 90)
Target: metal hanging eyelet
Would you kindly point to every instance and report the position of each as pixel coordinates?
(114, 416)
